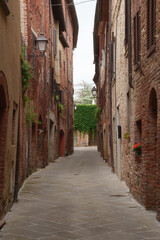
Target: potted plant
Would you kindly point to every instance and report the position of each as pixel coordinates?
(138, 151)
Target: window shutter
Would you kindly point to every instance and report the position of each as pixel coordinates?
(52, 79)
(55, 41)
(137, 37)
(60, 63)
(34, 52)
(148, 24)
(151, 23)
(114, 59)
(126, 22)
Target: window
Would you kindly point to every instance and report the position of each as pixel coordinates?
(128, 112)
(55, 42)
(126, 22)
(137, 38)
(11, 180)
(138, 131)
(62, 97)
(151, 23)
(34, 52)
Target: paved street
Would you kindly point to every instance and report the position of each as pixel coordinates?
(78, 197)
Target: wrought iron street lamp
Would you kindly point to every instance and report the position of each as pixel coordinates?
(75, 106)
(94, 92)
(42, 43)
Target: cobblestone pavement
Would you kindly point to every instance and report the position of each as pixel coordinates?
(78, 197)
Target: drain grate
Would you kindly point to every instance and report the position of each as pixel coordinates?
(118, 195)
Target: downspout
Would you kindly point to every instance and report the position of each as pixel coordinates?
(17, 157)
(67, 86)
(129, 46)
(106, 54)
(51, 36)
(110, 85)
(105, 85)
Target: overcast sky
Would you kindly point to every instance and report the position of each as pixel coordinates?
(83, 55)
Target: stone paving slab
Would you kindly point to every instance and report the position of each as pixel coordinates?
(78, 198)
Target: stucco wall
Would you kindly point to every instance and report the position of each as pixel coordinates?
(10, 49)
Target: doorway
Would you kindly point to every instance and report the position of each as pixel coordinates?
(151, 152)
(61, 146)
(51, 142)
(3, 128)
(118, 147)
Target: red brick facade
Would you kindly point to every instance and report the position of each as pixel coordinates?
(36, 133)
(131, 109)
(146, 125)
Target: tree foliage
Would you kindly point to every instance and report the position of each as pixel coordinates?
(84, 118)
(84, 95)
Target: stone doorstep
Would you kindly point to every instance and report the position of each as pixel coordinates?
(2, 223)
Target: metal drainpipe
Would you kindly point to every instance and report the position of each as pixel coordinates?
(129, 45)
(17, 156)
(106, 54)
(51, 36)
(67, 81)
(110, 85)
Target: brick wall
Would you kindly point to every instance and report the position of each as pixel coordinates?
(137, 107)
(145, 100)
(82, 140)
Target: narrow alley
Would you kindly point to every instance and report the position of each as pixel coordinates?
(78, 197)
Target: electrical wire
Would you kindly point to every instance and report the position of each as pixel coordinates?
(78, 3)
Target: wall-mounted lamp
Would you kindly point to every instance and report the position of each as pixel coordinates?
(75, 106)
(42, 43)
(94, 92)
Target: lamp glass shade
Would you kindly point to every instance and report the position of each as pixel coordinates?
(42, 43)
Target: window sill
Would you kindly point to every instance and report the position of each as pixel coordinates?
(151, 50)
(5, 7)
